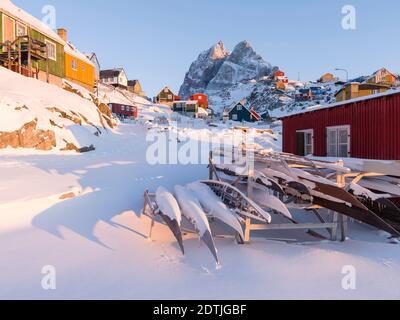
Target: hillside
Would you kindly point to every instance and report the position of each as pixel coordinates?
(36, 115)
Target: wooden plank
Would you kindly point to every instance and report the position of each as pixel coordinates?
(290, 226)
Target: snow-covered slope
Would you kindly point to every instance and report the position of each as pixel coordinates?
(37, 115)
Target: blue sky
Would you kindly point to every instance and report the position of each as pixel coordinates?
(156, 41)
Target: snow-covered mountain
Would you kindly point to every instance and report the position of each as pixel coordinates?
(217, 69)
(203, 70)
(243, 74)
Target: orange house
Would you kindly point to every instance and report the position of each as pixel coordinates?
(78, 68)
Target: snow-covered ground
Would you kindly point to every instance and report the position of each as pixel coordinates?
(97, 240)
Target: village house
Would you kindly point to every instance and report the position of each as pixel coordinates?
(280, 80)
(93, 58)
(202, 99)
(135, 87)
(31, 48)
(34, 49)
(365, 128)
(304, 94)
(78, 68)
(383, 77)
(355, 90)
(328, 77)
(238, 112)
(114, 77)
(123, 111)
(166, 97)
(187, 108)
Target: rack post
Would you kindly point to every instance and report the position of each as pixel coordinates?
(343, 220)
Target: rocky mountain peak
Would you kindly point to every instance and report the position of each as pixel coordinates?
(218, 51)
(216, 69)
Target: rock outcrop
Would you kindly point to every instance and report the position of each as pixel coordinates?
(28, 137)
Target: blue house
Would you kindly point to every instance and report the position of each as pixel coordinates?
(238, 112)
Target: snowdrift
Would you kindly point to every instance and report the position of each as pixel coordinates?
(37, 115)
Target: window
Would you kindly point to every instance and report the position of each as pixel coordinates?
(74, 64)
(21, 30)
(305, 142)
(123, 108)
(235, 117)
(239, 107)
(51, 50)
(338, 141)
(169, 97)
(83, 68)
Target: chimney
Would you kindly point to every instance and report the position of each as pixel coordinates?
(62, 33)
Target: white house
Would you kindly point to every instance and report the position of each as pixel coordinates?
(114, 77)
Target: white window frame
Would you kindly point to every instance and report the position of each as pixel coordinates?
(47, 42)
(337, 128)
(308, 131)
(235, 117)
(74, 64)
(20, 25)
(239, 107)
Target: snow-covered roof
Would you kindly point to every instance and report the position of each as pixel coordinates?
(73, 51)
(11, 9)
(342, 103)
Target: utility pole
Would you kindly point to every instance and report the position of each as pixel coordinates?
(344, 70)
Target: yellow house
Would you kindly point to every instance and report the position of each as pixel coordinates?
(78, 68)
(356, 90)
(383, 77)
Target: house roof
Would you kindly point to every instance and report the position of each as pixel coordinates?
(111, 73)
(92, 55)
(255, 115)
(343, 103)
(383, 69)
(133, 83)
(166, 87)
(11, 9)
(364, 86)
(70, 49)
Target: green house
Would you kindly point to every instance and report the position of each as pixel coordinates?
(18, 24)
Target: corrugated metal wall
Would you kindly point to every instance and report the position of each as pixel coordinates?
(375, 128)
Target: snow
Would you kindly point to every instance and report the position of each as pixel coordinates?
(98, 241)
(82, 215)
(191, 209)
(72, 50)
(35, 99)
(215, 207)
(277, 205)
(168, 205)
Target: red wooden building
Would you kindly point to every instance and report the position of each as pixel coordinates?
(124, 111)
(202, 99)
(366, 128)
